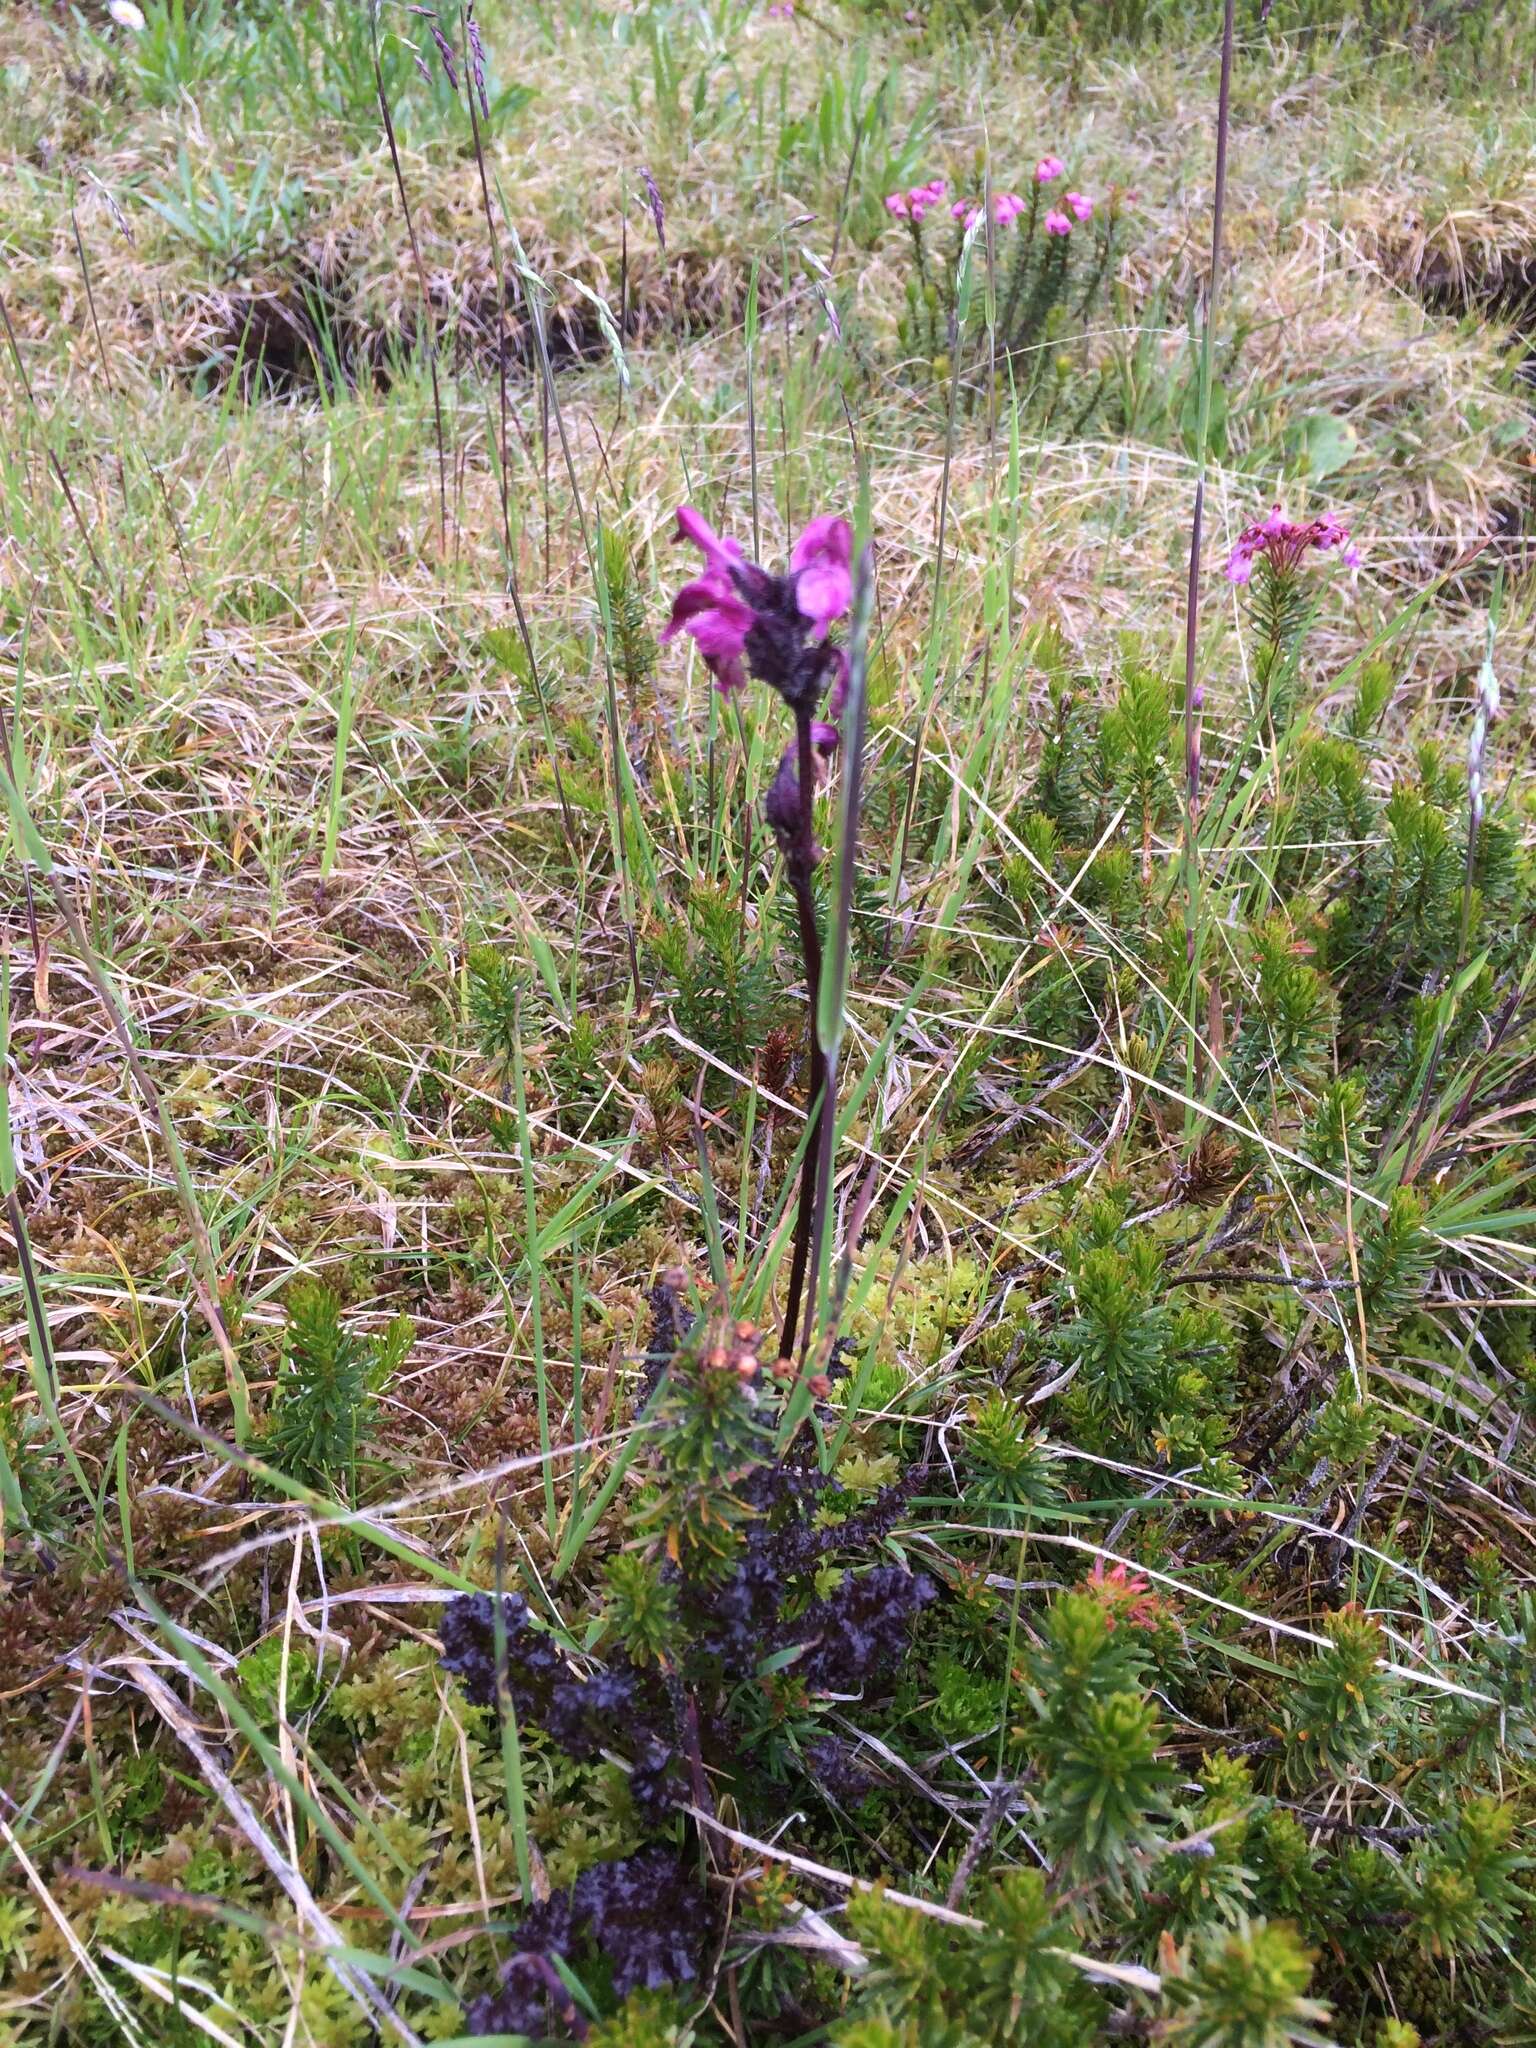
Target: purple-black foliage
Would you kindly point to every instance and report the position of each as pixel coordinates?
(738, 1621)
(534, 1664)
(653, 1783)
(531, 1999)
(836, 1767)
(647, 1914)
(614, 1708)
(860, 1632)
(670, 1324)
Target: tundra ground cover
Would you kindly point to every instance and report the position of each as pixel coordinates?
(515, 1527)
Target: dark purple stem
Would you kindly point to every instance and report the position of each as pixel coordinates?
(801, 866)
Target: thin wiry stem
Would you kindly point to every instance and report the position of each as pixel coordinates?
(502, 480)
(426, 301)
(829, 1027)
(1192, 706)
(53, 460)
(801, 866)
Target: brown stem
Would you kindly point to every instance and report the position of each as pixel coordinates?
(801, 865)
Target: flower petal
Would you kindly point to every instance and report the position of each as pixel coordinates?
(693, 526)
(821, 565)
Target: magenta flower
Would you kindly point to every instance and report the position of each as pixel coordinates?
(1081, 205)
(1284, 543)
(1049, 167)
(1006, 206)
(920, 200)
(782, 10)
(822, 566)
(717, 553)
(739, 615)
(711, 609)
(1056, 223)
(719, 621)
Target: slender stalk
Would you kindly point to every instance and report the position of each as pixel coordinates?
(1192, 705)
(421, 281)
(956, 328)
(535, 1270)
(801, 866)
(834, 983)
(502, 473)
(104, 582)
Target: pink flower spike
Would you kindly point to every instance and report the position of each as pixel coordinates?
(1006, 207)
(1056, 223)
(1049, 167)
(822, 564)
(693, 526)
(897, 203)
(1081, 205)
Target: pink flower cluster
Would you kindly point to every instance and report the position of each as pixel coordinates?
(1006, 206)
(920, 200)
(1284, 542)
(1079, 206)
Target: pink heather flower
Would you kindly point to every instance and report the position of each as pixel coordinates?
(1081, 205)
(782, 10)
(822, 566)
(1284, 542)
(1006, 206)
(920, 200)
(1056, 223)
(1049, 167)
